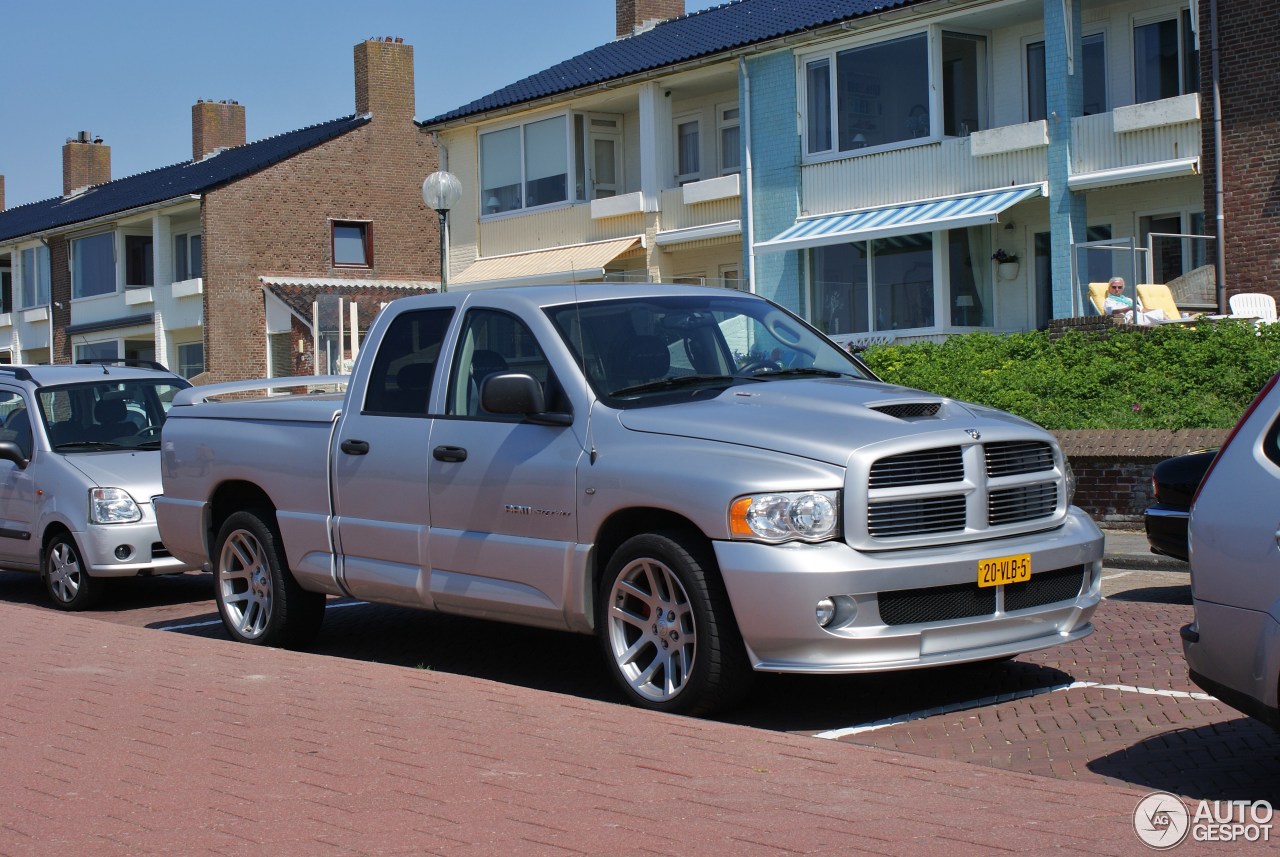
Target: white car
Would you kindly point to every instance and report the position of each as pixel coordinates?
(79, 466)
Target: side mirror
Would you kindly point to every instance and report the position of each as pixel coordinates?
(518, 393)
(9, 452)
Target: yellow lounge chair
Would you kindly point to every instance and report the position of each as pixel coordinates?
(1157, 296)
(1098, 297)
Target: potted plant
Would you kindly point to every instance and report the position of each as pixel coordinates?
(1006, 264)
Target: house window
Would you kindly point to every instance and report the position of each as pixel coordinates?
(186, 257)
(352, 244)
(1094, 57)
(1174, 250)
(1166, 62)
(109, 350)
(93, 266)
(688, 151)
(138, 261)
(190, 359)
(525, 166)
(730, 139)
(885, 284)
(35, 277)
(878, 95)
(964, 84)
(6, 291)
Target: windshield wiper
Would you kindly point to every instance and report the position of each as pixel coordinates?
(87, 444)
(678, 381)
(801, 371)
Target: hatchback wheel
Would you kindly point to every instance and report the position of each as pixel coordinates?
(65, 576)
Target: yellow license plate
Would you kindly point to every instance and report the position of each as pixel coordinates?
(1004, 569)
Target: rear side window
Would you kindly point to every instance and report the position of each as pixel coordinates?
(402, 374)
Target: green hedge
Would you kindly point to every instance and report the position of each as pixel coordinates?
(1168, 376)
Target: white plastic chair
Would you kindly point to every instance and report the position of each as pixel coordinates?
(1253, 305)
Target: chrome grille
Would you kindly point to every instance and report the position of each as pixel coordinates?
(909, 410)
(916, 515)
(1011, 458)
(1022, 503)
(924, 467)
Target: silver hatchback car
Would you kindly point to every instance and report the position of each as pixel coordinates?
(79, 466)
(1233, 646)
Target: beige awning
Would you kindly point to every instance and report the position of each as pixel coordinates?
(556, 265)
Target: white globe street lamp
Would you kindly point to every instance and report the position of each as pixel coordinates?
(441, 192)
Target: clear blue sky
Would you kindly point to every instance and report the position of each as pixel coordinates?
(129, 70)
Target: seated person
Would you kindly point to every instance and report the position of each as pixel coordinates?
(1117, 303)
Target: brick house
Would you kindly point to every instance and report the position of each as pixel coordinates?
(199, 264)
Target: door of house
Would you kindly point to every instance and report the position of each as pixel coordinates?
(604, 143)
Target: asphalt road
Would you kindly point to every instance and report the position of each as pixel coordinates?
(1116, 706)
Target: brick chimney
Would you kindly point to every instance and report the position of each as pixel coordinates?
(86, 161)
(215, 125)
(636, 16)
(384, 78)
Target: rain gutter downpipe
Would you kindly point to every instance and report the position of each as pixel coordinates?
(1219, 213)
(749, 230)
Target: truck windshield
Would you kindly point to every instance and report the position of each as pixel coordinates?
(649, 349)
(108, 414)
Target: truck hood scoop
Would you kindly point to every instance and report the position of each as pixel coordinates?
(821, 419)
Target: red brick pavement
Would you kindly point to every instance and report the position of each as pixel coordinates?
(124, 741)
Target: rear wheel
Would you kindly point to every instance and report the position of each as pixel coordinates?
(258, 598)
(65, 575)
(667, 629)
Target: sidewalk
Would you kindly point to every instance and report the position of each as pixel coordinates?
(125, 741)
(1128, 549)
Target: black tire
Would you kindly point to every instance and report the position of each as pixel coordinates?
(258, 598)
(65, 577)
(666, 628)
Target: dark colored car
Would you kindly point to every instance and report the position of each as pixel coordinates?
(1174, 482)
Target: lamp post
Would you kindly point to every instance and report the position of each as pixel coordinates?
(441, 191)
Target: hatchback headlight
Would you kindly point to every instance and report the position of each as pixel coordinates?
(810, 516)
(112, 506)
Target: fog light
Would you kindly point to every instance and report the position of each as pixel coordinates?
(825, 612)
(123, 552)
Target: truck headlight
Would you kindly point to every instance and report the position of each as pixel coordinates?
(810, 516)
(112, 506)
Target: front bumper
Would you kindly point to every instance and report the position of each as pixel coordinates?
(774, 590)
(145, 555)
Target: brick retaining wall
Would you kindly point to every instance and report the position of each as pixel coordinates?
(1113, 468)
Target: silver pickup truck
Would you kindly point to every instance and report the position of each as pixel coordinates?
(693, 475)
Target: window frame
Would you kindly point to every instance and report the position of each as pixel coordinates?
(932, 99)
(178, 351)
(366, 242)
(678, 122)
(142, 243)
(42, 276)
(1185, 36)
(77, 288)
(1028, 44)
(192, 264)
(725, 123)
(572, 158)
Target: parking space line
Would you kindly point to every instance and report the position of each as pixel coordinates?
(1005, 697)
(219, 621)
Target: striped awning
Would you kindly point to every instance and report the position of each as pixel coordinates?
(950, 212)
(555, 265)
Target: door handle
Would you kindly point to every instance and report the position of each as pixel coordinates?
(355, 447)
(449, 453)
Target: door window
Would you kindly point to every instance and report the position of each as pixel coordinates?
(494, 342)
(400, 381)
(15, 421)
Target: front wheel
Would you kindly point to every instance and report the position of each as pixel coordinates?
(666, 627)
(65, 576)
(258, 598)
